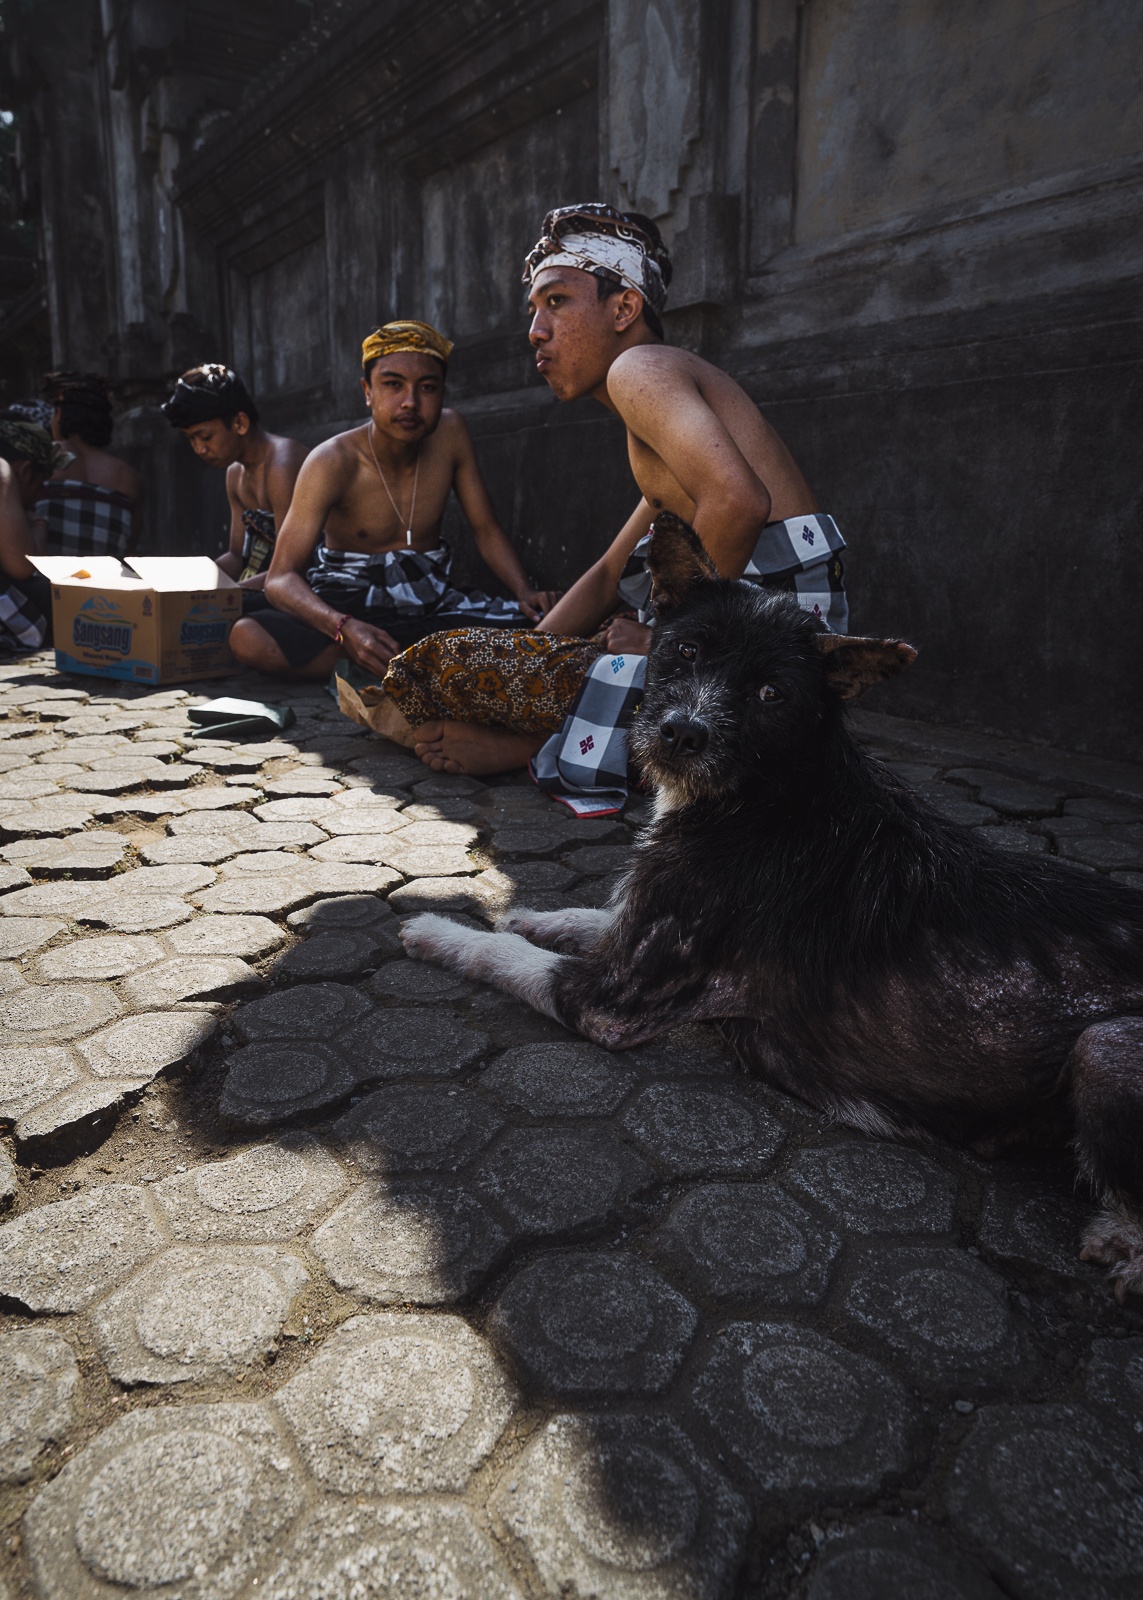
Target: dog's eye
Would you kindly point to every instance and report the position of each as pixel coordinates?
(768, 694)
(687, 650)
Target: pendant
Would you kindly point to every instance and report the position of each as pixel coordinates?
(408, 535)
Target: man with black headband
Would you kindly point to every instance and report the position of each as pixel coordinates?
(212, 406)
(698, 446)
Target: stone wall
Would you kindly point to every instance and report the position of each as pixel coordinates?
(911, 230)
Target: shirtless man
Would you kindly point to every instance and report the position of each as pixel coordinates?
(91, 505)
(697, 444)
(213, 408)
(380, 580)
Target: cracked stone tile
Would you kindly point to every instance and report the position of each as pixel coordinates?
(416, 981)
(748, 1241)
(423, 1243)
(558, 1080)
(552, 1180)
(47, 1012)
(111, 956)
(392, 1548)
(248, 937)
(84, 1105)
(38, 1383)
(623, 1507)
(134, 911)
(396, 1403)
(192, 978)
(890, 1556)
(31, 1076)
(1028, 1222)
(583, 1324)
(22, 935)
(1011, 795)
(267, 1193)
(942, 1313)
(798, 1411)
(876, 1187)
(1051, 1495)
(198, 1311)
(698, 1131)
(396, 1042)
(61, 1257)
(311, 1011)
(412, 1128)
(13, 878)
(268, 1083)
(342, 911)
(140, 1047)
(37, 819)
(196, 1496)
(89, 854)
(340, 953)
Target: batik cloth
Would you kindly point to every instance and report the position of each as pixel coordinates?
(258, 535)
(501, 679)
(23, 626)
(418, 338)
(596, 238)
(85, 519)
(416, 584)
(584, 765)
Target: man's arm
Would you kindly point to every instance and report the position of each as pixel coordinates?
(320, 484)
(592, 598)
(493, 543)
(231, 559)
(662, 406)
(281, 476)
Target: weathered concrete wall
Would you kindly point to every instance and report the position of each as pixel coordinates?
(912, 230)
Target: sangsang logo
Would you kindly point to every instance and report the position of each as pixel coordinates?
(94, 629)
(202, 626)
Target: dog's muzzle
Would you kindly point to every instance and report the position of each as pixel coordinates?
(681, 736)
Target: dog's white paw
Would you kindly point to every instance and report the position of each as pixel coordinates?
(1116, 1241)
(577, 928)
(432, 938)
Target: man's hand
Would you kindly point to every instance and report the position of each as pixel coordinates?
(625, 635)
(536, 603)
(371, 648)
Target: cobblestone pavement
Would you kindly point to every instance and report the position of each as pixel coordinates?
(328, 1275)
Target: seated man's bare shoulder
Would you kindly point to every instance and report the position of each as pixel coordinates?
(650, 371)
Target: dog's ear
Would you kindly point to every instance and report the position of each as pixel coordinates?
(676, 561)
(853, 665)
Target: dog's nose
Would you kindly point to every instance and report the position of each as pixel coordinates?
(682, 736)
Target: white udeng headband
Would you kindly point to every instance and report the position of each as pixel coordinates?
(592, 250)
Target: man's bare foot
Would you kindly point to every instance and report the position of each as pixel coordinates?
(469, 748)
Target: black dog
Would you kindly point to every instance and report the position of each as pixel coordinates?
(859, 951)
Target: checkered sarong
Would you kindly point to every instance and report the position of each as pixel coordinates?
(22, 625)
(584, 765)
(84, 519)
(412, 583)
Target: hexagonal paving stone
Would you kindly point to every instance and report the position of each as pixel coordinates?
(173, 880)
(268, 1192)
(38, 1382)
(112, 956)
(558, 1080)
(271, 896)
(341, 1552)
(368, 847)
(301, 783)
(942, 1312)
(1010, 795)
(703, 1132)
(1115, 1378)
(873, 1187)
(269, 1083)
(600, 860)
(551, 1180)
(1107, 854)
(469, 896)
(390, 1403)
(428, 1243)
(1029, 1222)
(92, 855)
(248, 937)
(56, 1011)
(623, 1507)
(582, 1323)
(414, 1128)
(344, 911)
(416, 980)
(399, 1043)
(31, 1075)
(140, 1047)
(63, 1256)
(197, 1311)
(192, 978)
(427, 860)
(799, 1411)
(130, 912)
(21, 935)
(315, 1011)
(1052, 1496)
(193, 849)
(214, 798)
(340, 953)
(195, 1496)
(48, 900)
(748, 1241)
(37, 819)
(891, 1557)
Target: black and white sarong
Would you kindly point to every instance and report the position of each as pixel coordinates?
(84, 519)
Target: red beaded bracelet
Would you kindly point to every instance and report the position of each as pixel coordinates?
(341, 621)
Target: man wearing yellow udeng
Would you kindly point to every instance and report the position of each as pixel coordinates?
(380, 579)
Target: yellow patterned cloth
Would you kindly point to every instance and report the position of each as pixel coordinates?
(498, 677)
(419, 338)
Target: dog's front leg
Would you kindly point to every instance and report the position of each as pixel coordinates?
(575, 929)
(502, 959)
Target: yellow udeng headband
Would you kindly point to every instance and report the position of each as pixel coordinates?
(418, 338)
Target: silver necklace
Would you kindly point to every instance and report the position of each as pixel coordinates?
(389, 492)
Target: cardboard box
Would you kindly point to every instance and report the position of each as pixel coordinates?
(157, 619)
